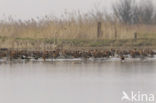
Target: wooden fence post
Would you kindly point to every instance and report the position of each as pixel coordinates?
(115, 32)
(99, 30)
(135, 36)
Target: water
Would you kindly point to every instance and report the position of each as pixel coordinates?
(75, 81)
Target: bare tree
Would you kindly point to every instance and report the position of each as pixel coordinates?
(154, 18)
(131, 12)
(146, 11)
(123, 11)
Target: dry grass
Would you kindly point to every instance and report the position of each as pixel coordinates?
(74, 31)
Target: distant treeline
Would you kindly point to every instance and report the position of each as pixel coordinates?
(135, 12)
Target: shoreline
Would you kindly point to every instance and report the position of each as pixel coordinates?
(58, 53)
(79, 60)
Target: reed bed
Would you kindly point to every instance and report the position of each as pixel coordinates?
(75, 29)
(51, 33)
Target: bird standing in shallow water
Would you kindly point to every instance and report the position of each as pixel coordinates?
(122, 58)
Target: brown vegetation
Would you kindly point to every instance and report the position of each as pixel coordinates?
(80, 30)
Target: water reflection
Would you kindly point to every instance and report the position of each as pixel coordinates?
(100, 81)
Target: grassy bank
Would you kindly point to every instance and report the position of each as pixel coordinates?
(50, 43)
(75, 35)
(76, 31)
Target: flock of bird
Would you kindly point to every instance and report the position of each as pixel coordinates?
(65, 54)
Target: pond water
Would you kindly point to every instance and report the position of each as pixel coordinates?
(74, 81)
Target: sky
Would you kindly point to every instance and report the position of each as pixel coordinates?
(26, 9)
